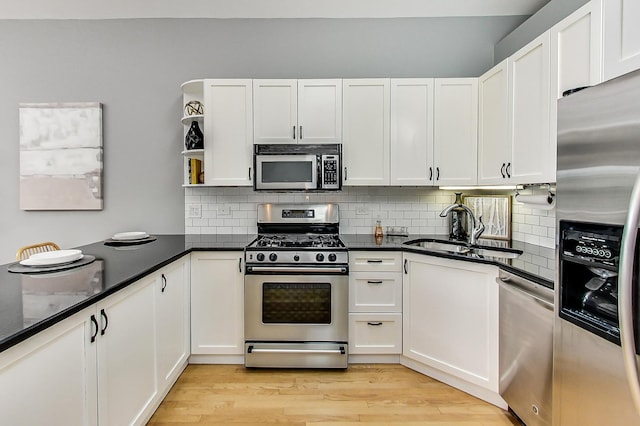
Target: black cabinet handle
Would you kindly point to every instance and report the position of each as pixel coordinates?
(294, 132)
(437, 173)
(239, 264)
(103, 314)
(300, 133)
(375, 324)
(249, 173)
(374, 260)
(94, 323)
(430, 173)
(502, 170)
(374, 282)
(405, 267)
(345, 173)
(508, 170)
(164, 283)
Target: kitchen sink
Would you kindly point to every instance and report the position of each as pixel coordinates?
(452, 247)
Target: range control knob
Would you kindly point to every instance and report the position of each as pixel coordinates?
(273, 257)
(260, 257)
(319, 257)
(332, 257)
(296, 257)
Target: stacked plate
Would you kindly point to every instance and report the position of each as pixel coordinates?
(53, 258)
(130, 236)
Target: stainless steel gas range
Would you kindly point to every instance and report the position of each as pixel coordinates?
(296, 289)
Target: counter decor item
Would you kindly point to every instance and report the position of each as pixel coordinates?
(194, 139)
(378, 234)
(34, 267)
(496, 214)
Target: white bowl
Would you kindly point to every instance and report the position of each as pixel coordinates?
(49, 258)
(124, 236)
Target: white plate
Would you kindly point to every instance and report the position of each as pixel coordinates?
(124, 236)
(51, 258)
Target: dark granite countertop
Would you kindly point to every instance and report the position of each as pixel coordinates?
(536, 263)
(30, 303)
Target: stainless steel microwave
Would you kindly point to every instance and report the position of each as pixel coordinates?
(291, 167)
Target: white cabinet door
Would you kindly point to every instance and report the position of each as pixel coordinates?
(275, 105)
(533, 148)
(366, 132)
(172, 321)
(494, 145)
(576, 50)
(217, 303)
(127, 377)
(228, 130)
(320, 111)
(621, 44)
(456, 131)
(412, 132)
(375, 292)
(375, 333)
(450, 318)
(51, 379)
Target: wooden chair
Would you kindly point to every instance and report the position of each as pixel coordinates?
(26, 251)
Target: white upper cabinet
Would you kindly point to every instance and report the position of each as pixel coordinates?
(366, 132)
(297, 111)
(621, 37)
(533, 148)
(412, 131)
(576, 50)
(455, 131)
(494, 144)
(228, 130)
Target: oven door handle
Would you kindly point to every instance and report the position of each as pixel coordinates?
(298, 270)
(251, 349)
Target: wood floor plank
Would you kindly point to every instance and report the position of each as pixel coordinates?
(375, 394)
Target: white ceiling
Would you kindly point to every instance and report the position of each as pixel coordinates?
(113, 9)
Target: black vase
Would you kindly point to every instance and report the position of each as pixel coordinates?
(194, 138)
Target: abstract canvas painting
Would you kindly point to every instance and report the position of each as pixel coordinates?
(61, 156)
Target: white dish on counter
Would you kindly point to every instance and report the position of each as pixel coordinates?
(52, 258)
(126, 236)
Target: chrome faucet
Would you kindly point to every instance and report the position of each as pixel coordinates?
(478, 226)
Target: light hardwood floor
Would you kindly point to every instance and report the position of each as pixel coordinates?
(375, 394)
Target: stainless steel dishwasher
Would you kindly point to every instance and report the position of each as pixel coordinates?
(526, 348)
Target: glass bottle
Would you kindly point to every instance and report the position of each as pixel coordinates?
(377, 233)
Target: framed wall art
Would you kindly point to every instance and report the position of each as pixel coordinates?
(496, 214)
(61, 156)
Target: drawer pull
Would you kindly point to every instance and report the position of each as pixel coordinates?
(375, 324)
(374, 282)
(374, 260)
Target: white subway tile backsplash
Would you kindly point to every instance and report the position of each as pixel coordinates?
(360, 207)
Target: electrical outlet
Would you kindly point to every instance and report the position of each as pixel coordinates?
(224, 211)
(362, 211)
(195, 210)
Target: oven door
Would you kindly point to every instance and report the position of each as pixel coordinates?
(296, 308)
(281, 171)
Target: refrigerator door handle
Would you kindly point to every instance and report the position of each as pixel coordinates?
(625, 301)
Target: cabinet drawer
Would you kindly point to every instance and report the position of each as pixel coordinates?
(375, 333)
(389, 261)
(375, 292)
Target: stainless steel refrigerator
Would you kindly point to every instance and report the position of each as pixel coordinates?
(597, 287)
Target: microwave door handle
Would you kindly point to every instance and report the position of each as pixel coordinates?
(625, 300)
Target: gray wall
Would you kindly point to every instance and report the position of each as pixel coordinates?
(552, 13)
(135, 68)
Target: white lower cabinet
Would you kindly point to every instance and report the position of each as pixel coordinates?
(450, 323)
(127, 381)
(110, 364)
(217, 306)
(375, 304)
(50, 379)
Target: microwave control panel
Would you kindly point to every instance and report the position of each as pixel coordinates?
(330, 172)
